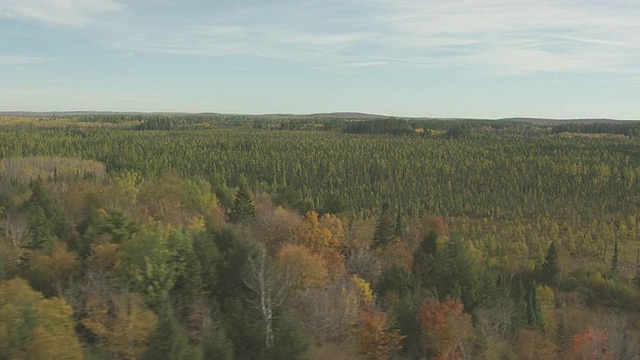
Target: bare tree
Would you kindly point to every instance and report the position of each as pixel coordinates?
(269, 289)
(331, 313)
(17, 229)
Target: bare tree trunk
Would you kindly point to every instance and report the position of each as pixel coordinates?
(17, 229)
(269, 289)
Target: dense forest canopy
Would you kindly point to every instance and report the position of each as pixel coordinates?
(223, 237)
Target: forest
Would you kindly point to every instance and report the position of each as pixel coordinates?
(159, 236)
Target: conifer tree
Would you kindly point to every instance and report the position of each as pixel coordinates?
(243, 206)
(519, 314)
(399, 230)
(40, 229)
(168, 341)
(385, 228)
(424, 258)
(550, 267)
(534, 312)
(216, 344)
(53, 212)
(615, 259)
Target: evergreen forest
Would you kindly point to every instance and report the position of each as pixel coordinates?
(206, 236)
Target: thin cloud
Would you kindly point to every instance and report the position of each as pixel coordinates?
(518, 37)
(25, 60)
(508, 38)
(74, 13)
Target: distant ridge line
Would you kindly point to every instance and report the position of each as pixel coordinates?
(342, 115)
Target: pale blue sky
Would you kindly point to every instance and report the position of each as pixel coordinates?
(437, 58)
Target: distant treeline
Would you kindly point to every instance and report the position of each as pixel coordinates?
(624, 128)
(451, 128)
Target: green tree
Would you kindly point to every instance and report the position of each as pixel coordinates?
(534, 312)
(290, 341)
(32, 327)
(519, 319)
(424, 258)
(154, 259)
(385, 228)
(396, 280)
(460, 274)
(208, 257)
(216, 344)
(40, 229)
(615, 259)
(53, 212)
(550, 267)
(243, 206)
(168, 341)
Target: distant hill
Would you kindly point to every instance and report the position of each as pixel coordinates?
(341, 115)
(543, 121)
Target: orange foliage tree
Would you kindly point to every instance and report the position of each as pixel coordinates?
(533, 346)
(447, 328)
(589, 344)
(376, 338)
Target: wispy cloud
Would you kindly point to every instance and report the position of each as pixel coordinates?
(24, 60)
(520, 37)
(504, 37)
(76, 13)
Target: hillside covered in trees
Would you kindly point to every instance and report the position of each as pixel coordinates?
(236, 237)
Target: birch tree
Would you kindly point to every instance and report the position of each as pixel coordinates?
(269, 290)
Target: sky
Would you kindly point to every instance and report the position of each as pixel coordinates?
(424, 58)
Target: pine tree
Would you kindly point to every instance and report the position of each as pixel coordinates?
(40, 229)
(519, 314)
(534, 312)
(424, 258)
(550, 267)
(217, 345)
(399, 230)
(243, 206)
(290, 339)
(385, 228)
(168, 341)
(51, 209)
(615, 259)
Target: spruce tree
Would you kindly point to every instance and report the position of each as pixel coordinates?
(424, 258)
(216, 344)
(40, 229)
(52, 211)
(519, 318)
(168, 341)
(243, 206)
(399, 230)
(550, 267)
(385, 228)
(615, 259)
(534, 312)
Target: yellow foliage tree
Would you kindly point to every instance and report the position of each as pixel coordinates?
(366, 294)
(533, 346)
(122, 323)
(324, 232)
(547, 301)
(324, 235)
(304, 268)
(32, 327)
(56, 267)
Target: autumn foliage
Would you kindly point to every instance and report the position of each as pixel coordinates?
(447, 328)
(376, 338)
(589, 344)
